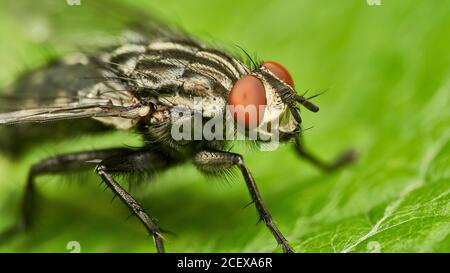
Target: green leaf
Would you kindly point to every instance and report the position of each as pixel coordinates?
(387, 68)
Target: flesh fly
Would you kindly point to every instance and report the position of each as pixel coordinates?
(136, 85)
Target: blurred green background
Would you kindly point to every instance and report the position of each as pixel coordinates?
(388, 70)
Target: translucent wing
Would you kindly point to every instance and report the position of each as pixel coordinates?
(46, 114)
(68, 90)
(75, 88)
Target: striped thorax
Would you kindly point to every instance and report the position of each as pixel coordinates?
(173, 72)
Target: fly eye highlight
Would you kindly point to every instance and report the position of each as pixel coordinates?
(247, 101)
(280, 71)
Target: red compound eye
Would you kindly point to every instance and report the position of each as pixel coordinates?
(248, 101)
(279, 71)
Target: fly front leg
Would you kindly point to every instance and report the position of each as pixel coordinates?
(342, 160)
(215, 162)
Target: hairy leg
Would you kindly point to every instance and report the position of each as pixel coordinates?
(218, 161)
(111, 161)
(147, 161)
(53, 165)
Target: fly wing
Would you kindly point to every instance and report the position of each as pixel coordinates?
(76, 91)
(55, 113)
(77, 86)
(70, 88)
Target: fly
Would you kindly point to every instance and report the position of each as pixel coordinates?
(146, 84)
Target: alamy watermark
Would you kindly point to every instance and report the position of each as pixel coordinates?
(373, 2)
(73, 2)
(374, 247)
(74, 247)
(232, 123)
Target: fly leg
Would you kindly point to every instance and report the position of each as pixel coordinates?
(141, 160)
(343, 159)
(215, 162)
(113, 160)
(52, 165)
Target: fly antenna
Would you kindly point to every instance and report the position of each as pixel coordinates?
(307, 104)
